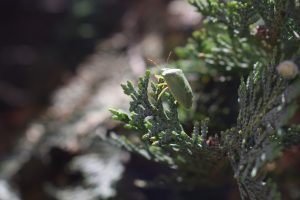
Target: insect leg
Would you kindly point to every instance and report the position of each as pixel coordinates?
(161, 93)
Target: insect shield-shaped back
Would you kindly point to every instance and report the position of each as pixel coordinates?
(178, 86)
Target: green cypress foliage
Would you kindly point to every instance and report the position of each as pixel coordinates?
(238, 39)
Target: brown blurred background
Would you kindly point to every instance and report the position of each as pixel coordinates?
(61, 65)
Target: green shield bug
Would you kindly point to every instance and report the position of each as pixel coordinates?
(178, 86)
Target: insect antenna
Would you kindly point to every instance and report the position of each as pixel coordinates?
(153, 62)
(169, 57)
(157, 66)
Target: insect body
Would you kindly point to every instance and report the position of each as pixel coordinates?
(178, 86)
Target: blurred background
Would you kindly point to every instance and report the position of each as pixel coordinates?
(61, 65)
